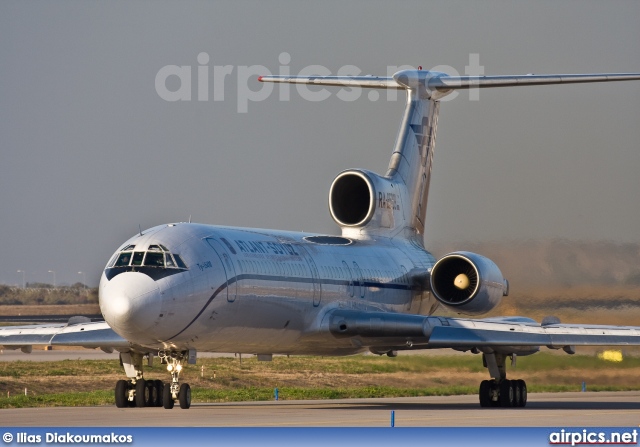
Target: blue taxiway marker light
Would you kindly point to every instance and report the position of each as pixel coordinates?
(584, 386)
(393, 418)
(275, 393)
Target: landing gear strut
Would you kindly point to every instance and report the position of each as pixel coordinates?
(174, 391)
(501, 392)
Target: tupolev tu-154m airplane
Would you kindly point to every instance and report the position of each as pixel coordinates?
(180, 288)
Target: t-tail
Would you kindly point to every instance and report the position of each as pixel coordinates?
(366, 204)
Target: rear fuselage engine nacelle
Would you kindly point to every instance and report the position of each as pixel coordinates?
(360, 198)
(468, 283)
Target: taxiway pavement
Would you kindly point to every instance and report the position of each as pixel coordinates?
(587, 409)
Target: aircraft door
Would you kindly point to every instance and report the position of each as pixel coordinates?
(317, 285)
(405, 278)
(351, 287)
(405, 274)
(360, 279)
(229, 268)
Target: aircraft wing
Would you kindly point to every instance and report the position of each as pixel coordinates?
(401, 331)
(77, 332)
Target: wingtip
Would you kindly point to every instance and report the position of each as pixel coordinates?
(260, 78)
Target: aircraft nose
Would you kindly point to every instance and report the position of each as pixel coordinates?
(130, 304)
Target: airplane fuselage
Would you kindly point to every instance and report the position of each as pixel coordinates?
(255, 291)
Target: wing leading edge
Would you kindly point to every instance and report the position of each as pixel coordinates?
(84, 334)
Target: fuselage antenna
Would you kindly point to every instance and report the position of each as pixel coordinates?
(140, 229)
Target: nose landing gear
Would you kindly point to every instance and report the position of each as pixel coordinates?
(174, 391)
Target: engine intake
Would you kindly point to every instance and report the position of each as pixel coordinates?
(351, 199)
(468, 283)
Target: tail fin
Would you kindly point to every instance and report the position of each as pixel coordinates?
(412, 156)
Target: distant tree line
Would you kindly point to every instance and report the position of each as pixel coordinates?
(42, 293)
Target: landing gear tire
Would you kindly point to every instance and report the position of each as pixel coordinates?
(151, 394)
(495, 391)
(485, 393)
(159, 392)
(506, 396)
(517, 394)
(184, 396)
(142, 393)
(523, 392)
(122, 388)
(167, 398)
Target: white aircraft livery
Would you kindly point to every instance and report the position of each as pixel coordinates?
(180, 288)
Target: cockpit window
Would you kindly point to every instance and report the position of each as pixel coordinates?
(138, 256)
(154, 259)
(179, 261)
(154, 248)
(168, 260)
(123, 259)
(112, 260)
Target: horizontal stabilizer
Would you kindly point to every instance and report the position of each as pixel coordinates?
(441, 82)
(338, 81)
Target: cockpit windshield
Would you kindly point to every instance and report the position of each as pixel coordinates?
(155, 256)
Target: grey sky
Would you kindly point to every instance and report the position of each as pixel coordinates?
(88, 150)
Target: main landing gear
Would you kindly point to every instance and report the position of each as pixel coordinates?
(138, 392)
(141, 393)
(501, 392)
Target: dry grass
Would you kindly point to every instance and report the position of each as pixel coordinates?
(49, 309)
(360, 372)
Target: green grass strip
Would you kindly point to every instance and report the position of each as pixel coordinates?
(102, 397)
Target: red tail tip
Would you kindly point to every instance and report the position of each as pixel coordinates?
(260, 78)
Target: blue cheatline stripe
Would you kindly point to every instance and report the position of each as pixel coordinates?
(274, 278)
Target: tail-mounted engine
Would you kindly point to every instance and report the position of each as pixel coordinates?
(468, 283)
(360, 198)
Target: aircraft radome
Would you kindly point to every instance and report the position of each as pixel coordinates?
(180, 288)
